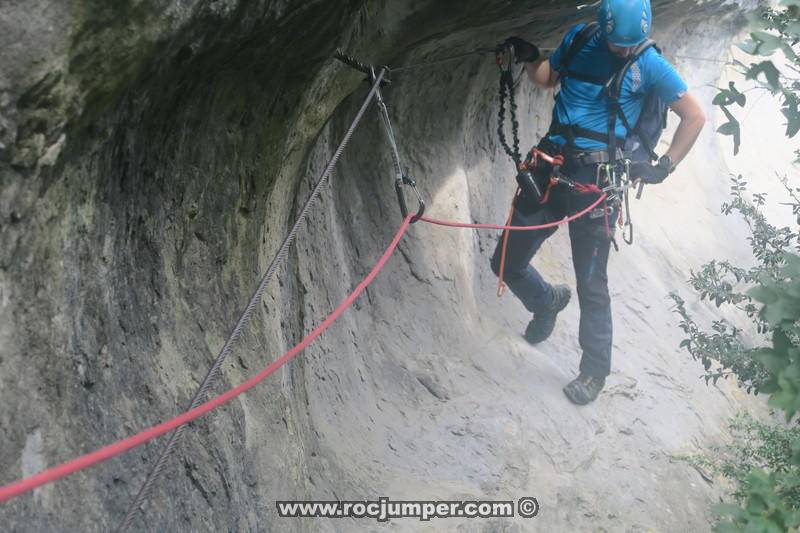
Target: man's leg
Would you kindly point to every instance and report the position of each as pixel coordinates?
(523, 279)
(590, 249)
(539, 297)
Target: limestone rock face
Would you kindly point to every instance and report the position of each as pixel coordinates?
(153, 154)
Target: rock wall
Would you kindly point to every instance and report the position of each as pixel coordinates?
(152, 156)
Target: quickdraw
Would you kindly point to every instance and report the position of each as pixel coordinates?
(617, 183)
(401, 177)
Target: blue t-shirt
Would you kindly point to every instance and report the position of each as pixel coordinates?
(585, 104)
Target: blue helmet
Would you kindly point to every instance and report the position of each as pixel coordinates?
(625, 22)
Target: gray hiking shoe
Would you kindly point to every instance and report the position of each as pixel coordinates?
(584, 389)
(540, 328)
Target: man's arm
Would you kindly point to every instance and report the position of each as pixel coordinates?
(542, 74)
(692, 121)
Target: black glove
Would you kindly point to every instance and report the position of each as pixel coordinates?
(648, 172)
(523, 50)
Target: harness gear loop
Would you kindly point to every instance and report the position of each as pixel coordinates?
(401, 178)
(531, 163)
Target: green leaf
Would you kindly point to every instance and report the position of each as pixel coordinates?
(737, 97)
(787, 48)
(767, 43)
(793, 28)
(736, 132)
(793, 290)
(792, 115)
(792, 372)
(792, 267)
(748, 47)
(727, 527)
(728, 509)
(770, 72)
(774, 312)
(771, 359)
(770, 386)
(729, 128)
(781, 342)
(723, 97)
(763, 294)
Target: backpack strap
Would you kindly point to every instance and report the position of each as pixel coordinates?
(614, 89)
(580, 40)
(614, 85)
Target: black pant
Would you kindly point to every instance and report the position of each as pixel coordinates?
(591, 239)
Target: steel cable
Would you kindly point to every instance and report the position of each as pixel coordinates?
(244, 318)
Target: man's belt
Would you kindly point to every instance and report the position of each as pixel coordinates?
(586, 158)
(580, 158)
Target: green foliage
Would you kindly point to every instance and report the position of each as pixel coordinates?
(770, 244)
(768, 293)
(776, 30)
(755, 445)
(721, 350)
(781, 311)
(765, 508)
(764, 461)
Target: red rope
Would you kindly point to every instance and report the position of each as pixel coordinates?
(52, 474)
(516, 228)
(22, 486)
(501, 285)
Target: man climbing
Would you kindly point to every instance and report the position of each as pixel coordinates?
(588, 131)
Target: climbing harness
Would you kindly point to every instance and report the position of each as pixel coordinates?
(616, 173)
(528, 168)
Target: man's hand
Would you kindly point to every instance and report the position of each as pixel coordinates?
(648, 173)
(524, 51)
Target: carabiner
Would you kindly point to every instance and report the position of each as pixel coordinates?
(626, 196)
(401, 197)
